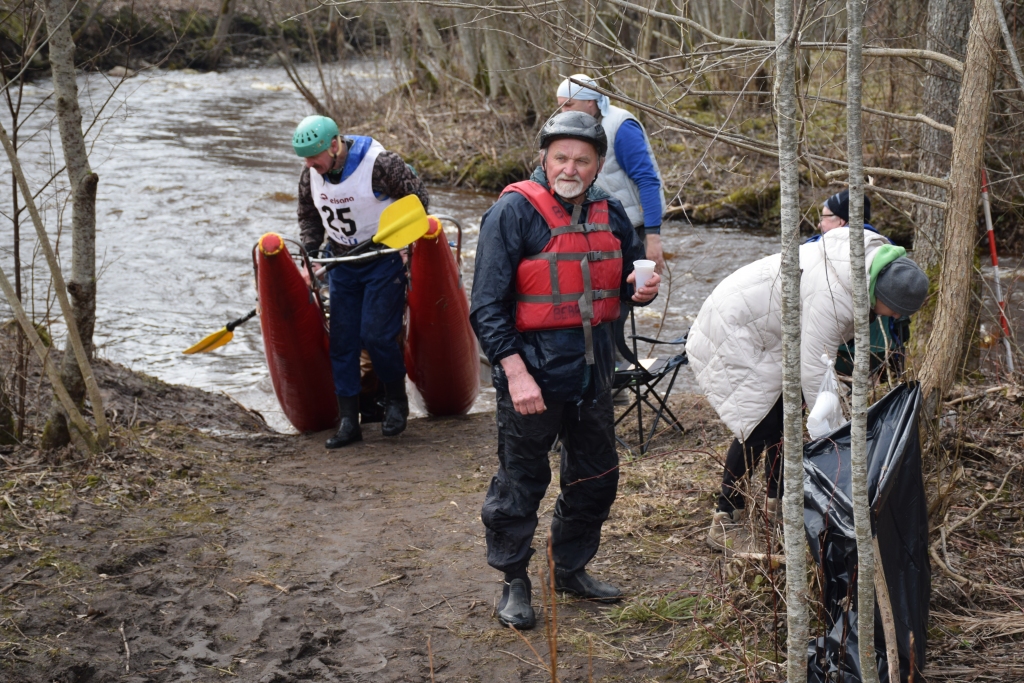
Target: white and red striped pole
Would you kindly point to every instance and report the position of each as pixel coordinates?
(995, 271)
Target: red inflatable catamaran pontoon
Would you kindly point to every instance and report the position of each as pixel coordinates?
(440, 352)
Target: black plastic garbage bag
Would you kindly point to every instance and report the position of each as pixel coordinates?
(900, 517)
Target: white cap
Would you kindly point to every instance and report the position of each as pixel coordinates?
(575, 91)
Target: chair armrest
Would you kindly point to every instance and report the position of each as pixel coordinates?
(680, 340)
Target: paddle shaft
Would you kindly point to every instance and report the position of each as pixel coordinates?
(230, 327)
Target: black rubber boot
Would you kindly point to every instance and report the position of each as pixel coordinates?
(348, 430)
(584, 585)
(396, 409)
(515, 608)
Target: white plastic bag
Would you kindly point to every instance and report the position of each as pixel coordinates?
(827, 413)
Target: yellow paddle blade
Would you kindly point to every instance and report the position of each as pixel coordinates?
(211, 342)
(402, 223)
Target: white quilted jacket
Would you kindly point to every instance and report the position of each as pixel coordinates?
(735, 344)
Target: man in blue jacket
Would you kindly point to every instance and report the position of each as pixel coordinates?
(554, 261)
(630, 172)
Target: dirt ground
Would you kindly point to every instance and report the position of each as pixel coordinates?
(205, 547)
(265, 557)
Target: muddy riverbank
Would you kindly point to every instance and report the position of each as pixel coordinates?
(204, 547)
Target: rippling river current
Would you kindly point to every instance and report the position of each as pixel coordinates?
(193, 169)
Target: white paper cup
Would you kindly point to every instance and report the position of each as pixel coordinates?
(643, 269)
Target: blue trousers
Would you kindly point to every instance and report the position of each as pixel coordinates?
(367, 306)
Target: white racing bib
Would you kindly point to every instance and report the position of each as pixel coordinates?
(349, 210)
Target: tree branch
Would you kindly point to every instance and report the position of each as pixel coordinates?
(905, 53)
(892, 173)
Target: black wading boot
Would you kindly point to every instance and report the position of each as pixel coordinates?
(396, 409)
(515, 608)
(583, 585)
(348, 431)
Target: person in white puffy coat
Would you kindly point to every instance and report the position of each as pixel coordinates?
(735, 347)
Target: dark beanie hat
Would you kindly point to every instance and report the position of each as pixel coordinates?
(839, 204)
(902, 286)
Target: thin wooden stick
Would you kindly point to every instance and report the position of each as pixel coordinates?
(553, 611)
(10, 508)
(909, 196)
(430, 657)
(975, 397)
(885, 608)
(893, 173)
(18, 580)
(127, 652)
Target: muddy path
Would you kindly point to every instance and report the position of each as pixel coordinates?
(204, 547)
(267, 558)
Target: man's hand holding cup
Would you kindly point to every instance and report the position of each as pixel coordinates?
(645, 281)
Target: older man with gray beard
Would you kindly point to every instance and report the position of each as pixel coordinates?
(553, 262)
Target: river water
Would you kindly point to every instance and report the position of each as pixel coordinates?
(193, 169)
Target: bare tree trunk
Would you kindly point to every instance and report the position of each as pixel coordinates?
(434, 57)
(793, 460)
(1011, 51)
(746, 26)
(862, 359)
(497, 58)
(82, 284)
(590, 8)
(945, 344)
(431, 36)
(220, 34)
(947, 33)
(470, 48)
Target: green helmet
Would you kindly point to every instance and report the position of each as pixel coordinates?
(314, 135)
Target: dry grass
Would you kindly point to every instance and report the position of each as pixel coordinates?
(704, 616)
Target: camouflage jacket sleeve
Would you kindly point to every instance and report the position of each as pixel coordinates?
(393, 177)
(311, 228)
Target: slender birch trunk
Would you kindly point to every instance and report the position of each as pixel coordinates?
(793, 472)
(82, 284)
(945, 344)
(862, 358)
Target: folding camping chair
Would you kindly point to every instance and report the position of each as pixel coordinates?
(641, 377)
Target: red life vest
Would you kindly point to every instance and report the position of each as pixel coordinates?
(574, 281)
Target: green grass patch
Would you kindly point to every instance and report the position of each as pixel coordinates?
(666, 608)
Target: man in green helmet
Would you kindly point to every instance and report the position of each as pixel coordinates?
(344, 188)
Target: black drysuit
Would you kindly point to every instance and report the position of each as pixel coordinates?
(577, 396)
